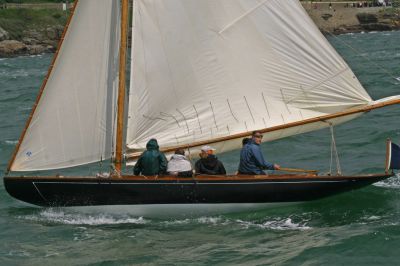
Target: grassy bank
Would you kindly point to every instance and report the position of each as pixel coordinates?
(16, 21)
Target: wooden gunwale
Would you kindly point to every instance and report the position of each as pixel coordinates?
(121, 86)
(41, 90)
(200, 178)
(324, 118)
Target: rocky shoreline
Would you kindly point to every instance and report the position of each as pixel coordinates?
(340, 19)
(32, 41)
(331, 20)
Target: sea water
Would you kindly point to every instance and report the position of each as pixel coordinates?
(355, 228)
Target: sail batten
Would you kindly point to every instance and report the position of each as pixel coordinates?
(230, 59)
(72, 123)
(277, 132)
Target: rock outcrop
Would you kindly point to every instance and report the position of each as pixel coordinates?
(342, 18)
(12, 48)
(3, 34)
(33, 41)
(39, 49)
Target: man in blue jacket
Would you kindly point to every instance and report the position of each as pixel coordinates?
(251, 159)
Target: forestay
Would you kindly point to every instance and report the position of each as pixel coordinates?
(73, 122)
(214, 68)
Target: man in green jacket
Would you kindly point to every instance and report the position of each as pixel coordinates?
(152, 161)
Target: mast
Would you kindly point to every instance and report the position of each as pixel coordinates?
(122, 84)
(28, 122)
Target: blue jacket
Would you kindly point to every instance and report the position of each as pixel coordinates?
(252, 161)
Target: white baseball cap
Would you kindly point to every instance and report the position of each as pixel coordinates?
(207, 148)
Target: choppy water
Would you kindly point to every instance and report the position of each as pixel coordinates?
(357, 228)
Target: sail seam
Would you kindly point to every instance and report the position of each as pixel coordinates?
(231, 24)
(317, 85)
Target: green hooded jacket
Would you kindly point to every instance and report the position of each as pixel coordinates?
(152, 161)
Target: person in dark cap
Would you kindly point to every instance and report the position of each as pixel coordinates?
(152, 161)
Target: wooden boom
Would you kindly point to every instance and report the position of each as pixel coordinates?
(323, 118)
(296, 170)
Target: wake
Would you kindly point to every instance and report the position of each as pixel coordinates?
(393, 182)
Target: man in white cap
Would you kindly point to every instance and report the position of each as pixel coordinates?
(208, 163)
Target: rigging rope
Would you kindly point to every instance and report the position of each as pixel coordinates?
(334, 152)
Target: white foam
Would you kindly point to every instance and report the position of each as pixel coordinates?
(176, 211)
(19, 75)
(11, 142)
(278, 224)
(210, 220)
(56, 216)
(177, 222)
(37, 55)
(393, 182)
(52, 254)
(19, 253)
(207, 220)
(274, 224)
(25, 108)
(373, 217)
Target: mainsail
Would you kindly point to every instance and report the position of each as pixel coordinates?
(206, 70)
(74, 123)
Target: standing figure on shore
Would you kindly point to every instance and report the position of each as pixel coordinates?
(208, 163)
(152, 161)
(251, 158)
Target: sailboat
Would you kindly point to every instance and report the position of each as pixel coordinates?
(202, 73)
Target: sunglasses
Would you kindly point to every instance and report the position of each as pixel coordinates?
(258, 136)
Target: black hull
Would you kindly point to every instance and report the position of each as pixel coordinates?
(89, 191)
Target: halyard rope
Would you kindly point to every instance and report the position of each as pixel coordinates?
(334, 151)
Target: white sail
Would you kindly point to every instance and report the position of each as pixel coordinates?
(214, 68)
(73, 123)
